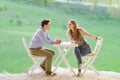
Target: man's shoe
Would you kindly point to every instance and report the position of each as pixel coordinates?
(50, 73)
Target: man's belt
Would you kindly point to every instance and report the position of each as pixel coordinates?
(36, 48)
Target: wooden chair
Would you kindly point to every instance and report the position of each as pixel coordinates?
(37, 60)
(89, 60)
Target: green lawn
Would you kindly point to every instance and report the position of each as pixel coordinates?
(19, 21)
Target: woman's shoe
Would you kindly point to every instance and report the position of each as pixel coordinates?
(80, 67)
(79, 72)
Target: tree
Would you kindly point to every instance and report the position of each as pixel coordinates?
(95, 7)
(43, 2)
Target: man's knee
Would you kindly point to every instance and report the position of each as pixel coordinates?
(53, 53)
(50, 54)
(50, 51)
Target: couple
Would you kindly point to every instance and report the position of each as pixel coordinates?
(41, 38)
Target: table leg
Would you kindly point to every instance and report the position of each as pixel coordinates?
(66, 61)
(60, 61)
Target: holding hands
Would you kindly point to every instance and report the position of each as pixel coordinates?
(58, 41)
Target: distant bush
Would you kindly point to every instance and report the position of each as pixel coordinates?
(11, 20)
(19, 22)
(3, 8)
(36, 2)
(114, 12)
(99, 12)
(72, 8)
(43, 2)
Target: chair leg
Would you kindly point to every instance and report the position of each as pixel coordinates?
(31, 69)
(56, 60)
(87, 65)
(35, 66)
(42, 70)
(59, 60)
(83, 71)
(94, 70)
(57, 65)
(87, 61)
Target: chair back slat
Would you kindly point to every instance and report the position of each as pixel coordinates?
(26, 47)
(98, 46)
(37, 60)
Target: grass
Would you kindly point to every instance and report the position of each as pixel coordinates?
(20, 20)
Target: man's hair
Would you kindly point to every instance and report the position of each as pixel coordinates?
(44, 22)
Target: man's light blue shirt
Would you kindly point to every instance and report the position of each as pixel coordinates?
(40, 39)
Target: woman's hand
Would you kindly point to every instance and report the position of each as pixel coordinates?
(98, 38)
(75, 42)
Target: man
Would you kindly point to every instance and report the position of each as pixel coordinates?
(40, 39)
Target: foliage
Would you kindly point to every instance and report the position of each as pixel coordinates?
(37, 2)
(13, 57)
(2, 8)
(114, 12)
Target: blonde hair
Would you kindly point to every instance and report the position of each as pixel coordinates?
(74, 23)
(76, 32)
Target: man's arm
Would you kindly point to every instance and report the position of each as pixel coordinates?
(51, 40)
(44, 38)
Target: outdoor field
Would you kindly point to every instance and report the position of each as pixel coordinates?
(22, 20)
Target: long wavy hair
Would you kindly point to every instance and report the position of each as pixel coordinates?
(76, 32)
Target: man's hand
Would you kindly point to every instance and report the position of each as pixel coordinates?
(58, 41)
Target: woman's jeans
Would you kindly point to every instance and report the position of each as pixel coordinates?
(81, 51)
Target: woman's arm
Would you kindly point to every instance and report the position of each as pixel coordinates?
(69, 35)
(88, 34)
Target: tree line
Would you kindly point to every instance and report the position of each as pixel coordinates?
(36, 2)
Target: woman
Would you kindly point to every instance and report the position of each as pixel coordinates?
(77, 35)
